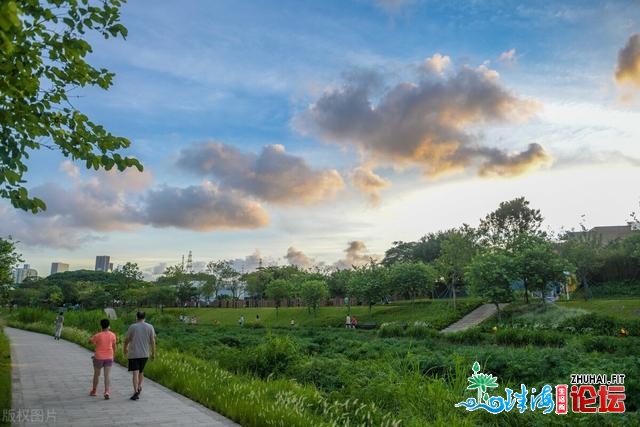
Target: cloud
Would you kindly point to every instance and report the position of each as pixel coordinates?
(505, 164)
(437, 64)
(298, 258)
(273, 176)
(69, 169)
(508, 57)
(368, 182)
(203, 208)
(628, 68)
(123, 201)
(393, 6)
(356, 255)
(432, 124)
(38, 231)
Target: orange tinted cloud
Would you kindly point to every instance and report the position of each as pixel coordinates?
(431, 123)
(628, 68)
(368, 182)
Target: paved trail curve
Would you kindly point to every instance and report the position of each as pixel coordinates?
(51, 383)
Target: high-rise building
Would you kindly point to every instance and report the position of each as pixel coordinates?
(19, 274)
(102, 263)
(59, 267)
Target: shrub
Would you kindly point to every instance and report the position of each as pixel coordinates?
(470, 336)
(274, 356)
(523, 337)
(391, 329)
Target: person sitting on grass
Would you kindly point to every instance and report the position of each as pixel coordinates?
(105, 342)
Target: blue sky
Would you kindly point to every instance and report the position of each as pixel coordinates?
(321, 131)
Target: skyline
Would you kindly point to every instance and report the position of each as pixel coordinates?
(289, 130)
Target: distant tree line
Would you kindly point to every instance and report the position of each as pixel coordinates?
(506, 256)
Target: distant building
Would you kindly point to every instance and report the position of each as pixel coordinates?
(103, 263)
(59, 267)
(19, 274)
(609, 233)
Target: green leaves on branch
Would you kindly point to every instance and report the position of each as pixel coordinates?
(42, 58)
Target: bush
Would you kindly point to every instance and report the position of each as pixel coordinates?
(274, 356)
(391, 329)
(523, 337)
(470, 336)
(324, 373)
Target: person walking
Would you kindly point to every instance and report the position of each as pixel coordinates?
(139, 344)
(59, 323)
(105, 343)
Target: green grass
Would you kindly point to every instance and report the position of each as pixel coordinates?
(317, 374)
(5, 376)
(623, 309)
(437, 313)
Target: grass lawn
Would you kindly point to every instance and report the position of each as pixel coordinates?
(623, 309)
(437, 313)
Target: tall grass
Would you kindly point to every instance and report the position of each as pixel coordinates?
(5, 376)
(249, 401)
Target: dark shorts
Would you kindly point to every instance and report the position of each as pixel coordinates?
(137, 364)
(102, 363)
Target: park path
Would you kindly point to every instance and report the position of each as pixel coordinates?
(51, 383)
(474, 318)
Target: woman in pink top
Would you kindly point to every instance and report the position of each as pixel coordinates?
(105, 343)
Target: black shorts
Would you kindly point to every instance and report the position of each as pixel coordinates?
(137, 364)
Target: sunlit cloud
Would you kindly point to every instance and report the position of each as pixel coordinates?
(437, 64)
(369, 183)
(509, 57)
(298, 258)
(356, 255)
(273, 175)
(431, 124)
(628, 67)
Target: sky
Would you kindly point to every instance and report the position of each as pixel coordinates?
(319, 132)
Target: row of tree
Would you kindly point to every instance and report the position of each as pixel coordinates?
(508, 248)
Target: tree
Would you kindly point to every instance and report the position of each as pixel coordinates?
(583, 250)
(257, 282)
(313, 292)
(337, 282)
(490, 275)
(458, 249)
(213, 282)
(412, 278)
(279, 290)
(129, 273)
(160, 295)
(512, 218)
(426, 249)
(538, 264)
(9, 258)
(177, 276)
(43, 48)
(368, 284)
(228, 277)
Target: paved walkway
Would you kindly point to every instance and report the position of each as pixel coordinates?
(474, 318)
(51, 383)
